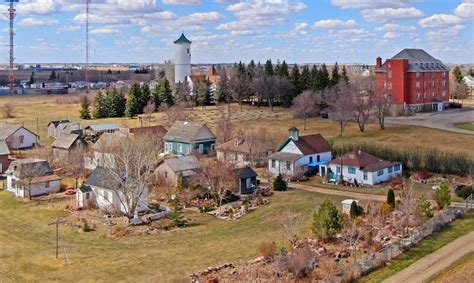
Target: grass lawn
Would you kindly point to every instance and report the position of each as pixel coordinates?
(460, 271)
(27, 243)
(437, 240)
(466, 126)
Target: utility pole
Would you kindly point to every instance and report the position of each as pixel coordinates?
(57, 222)
(87, 44)
(11, 17)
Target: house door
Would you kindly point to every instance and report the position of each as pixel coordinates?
(323, 170)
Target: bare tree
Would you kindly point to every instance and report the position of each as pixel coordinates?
(257, 142)
(363, 100)
(341, 105)
(459, 91)
(224, 126)
(74, 163)
(383, 102)
(33, 170)
(407, 206)
(351, 235)
(148, 111)
(8, 110)
(178, 112)
(305, 106)
(291, 222)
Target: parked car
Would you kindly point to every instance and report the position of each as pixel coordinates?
(324, 115)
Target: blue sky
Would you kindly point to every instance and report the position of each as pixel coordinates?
(303, 31)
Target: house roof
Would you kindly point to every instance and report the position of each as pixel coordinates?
(109, 140)
(65, 141)
(6, 130)
(57, 122)
(285, 156)
(189, 132)
(40, 179)
(4, 150)
(364, 161)
(100, 178)
(64, 125)
(245, 173)
(419, 61)
(184, 163)
(310, 144)
(182, 40)
(30, 167)
(241, 144)
(156, 131)
(103, 127)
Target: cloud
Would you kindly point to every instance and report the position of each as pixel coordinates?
(104, 31)
(390, 35)
(69, 28)
(388, 14)
(37, 7)
(439, 20)
(335, 24)
(182, 2)
(465, 10)
(395, 28)
(371, 4)
(33, 22)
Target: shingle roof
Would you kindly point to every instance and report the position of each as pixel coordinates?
(364, 161)
(419, 61)
(156, 131)
(182, 40)
(23, 168)
(188, 132)
(245, 173)
(100, 178)
(241, 145)
(57, 122)
(108, 141)
(182, 164)
(6, 130)
(4, 150)
(65, 141)
(285, 156)
(103, 127)
(310, 144)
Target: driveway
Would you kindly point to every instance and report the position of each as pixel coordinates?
(430, 265)
(439, 120)
(353, 195)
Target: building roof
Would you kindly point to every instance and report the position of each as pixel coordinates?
(189, 132)
(40, 179)
(64, 125)
(30, 167)
(182, 164)
(285, 156)
(241, 145)
(57, 122)
(419, 61)
(310, 144)
(65, 141)
(156, 131)
(364, 161)
(100, 178)
(108, 141)
(182, 40)
(6, 130)
(245, 173)
(103, 127)
(4, 150)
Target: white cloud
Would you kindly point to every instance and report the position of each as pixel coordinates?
(33, 22)
(371, 4)
(388, 14)
(395, 28)
(465, 10)
(390, 35)
(208, 17)
(104, 31)
(335, 24)
(182, 2)
(69, 28)
(39, 7)
(439, 20)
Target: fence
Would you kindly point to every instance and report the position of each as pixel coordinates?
(376, 260)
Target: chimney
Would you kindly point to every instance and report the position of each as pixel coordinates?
(294, 133)
(378, 63)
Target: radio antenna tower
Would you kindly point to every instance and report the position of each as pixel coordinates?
(87, 44)
(11, 16)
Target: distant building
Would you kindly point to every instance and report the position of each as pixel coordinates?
(170, 170)
(414, 79)
(66, 144)
(98, 129)
(59, 127)
(241, 151)
(182, 68)
(246, 180)
(469, 80)
(185, 138)
(17, 136)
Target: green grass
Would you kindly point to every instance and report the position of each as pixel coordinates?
(27, 243)
(432, 243)
(466, 126)
(461, 267)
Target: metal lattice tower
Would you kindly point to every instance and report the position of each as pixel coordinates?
(88, 2)
(11, 16)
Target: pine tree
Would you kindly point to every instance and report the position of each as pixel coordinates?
(223, 91)
(324, 81)
(145, 97)
(284, 70)
(176, 215)
(85, 113)
(305, 79)
(269, 68)
(202, 92)
(279, 184)
(335, 77)
(315, 83)
(99, 106)
(52, 76)
(458, 76)
(344, 76)
(327, 221)
(115, 104)
(32, 78)
(163, 94)
(133, 107)
(391, 198)
(250, 69)
(295, 80)
(156, 97)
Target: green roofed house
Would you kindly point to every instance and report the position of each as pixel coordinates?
(185, 138)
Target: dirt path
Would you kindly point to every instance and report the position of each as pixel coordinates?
(353, 195)
(436, 262)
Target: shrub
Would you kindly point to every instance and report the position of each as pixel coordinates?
(386, 208)
(391, 198)
(455, 105)
(356, 210)
(464, 192)
(86, 227)
(443, 196)
(176, 215)
(327, 221)
(424, 207)
(301, 262)
(268, 250)
(279, 184)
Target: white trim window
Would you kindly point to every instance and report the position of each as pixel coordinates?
(201, 148)
(180, 148)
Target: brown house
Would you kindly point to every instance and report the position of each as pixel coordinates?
(64, 145)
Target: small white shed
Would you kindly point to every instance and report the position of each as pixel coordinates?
(346, 205)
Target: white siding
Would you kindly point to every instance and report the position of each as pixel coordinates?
(29, 139)
(36, 189)
(280, 168)
(372, 177)
(108, 199)
(291, 148)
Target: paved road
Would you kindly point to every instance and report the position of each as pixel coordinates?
(430, 265)
(438, 120)
(357, 196)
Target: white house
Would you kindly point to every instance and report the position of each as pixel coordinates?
(17, 136)
(33, 177)
(363, 169)
(98, 191)
(299, 155)
(103, 150)
(469, 82)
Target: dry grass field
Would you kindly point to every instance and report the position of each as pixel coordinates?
(461, 271)
(36, 111)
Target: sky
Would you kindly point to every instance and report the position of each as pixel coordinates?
(226, 31)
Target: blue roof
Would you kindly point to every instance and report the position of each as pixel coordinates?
(182, 40)
(103, 127)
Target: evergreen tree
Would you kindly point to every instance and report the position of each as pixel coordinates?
(251, 69)
(223, 91)
(315, 83)
(100, 110)
(356, 210)
(182, 91)
(305, 79)
(202, 92)
(115, 103)
(443, 195)
(344, 76)
(335, 77)
(391, 198)
(32, 78)
(176, 215)
(145, 97)
(85, 113)
(325, 80)
(134, 101)
(156, 97)
(283, 72)
(295, 80)
(269, 68)
(279, 184)
(327, 221)
(163, 94)
(458, 76)
(52, 76)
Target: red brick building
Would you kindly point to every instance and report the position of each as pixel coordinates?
(415, 80)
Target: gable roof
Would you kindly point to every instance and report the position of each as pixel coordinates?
(109, 140)
(6, 130)
(65, 141)
(4, 150)
(240, 144)
(64, 125)
(245, 173)
(156, 131)
(182, 40)
(24, 168)
(100, 178)
(189, 132)
(364, 161)
(310, 144)
(57, 122)
(103, 127)
(182, 164)
(419, 61)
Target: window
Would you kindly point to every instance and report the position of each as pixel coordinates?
(180, 147)
(46, 184)
(380, 173)
(168, 147)
(273, 163)
(418, 84)
(310, 159)
(365, 176)
(21, 139)
(87, 196)
(390, 169)
(318, 158)
(201, 148)
(417, 75)
(288, 165)
(351, 170)
(444, 93)
(338, 169)
(213, 147)
(187, 50)
(389, 85)
(418, 96)
(397, 167)
(166, 174)
(188, 149)
(390, 74)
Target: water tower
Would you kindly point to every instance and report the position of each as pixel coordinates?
(182, 63)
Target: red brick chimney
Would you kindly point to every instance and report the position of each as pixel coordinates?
(378, 63)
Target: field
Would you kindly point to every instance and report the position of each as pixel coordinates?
(466, 126)
(461, 271)
(35, 113)
(27, 243)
